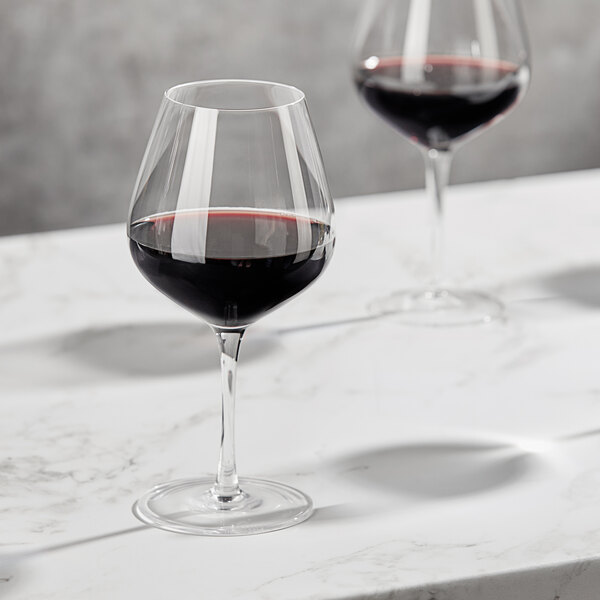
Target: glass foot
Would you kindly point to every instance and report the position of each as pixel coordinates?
(440, 308)
(189, 506)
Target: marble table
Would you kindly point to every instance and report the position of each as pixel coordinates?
(445, 464)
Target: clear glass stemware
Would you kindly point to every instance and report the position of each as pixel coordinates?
(440, 72)
(231, 216)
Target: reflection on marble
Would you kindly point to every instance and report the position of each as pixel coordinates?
(455, 464)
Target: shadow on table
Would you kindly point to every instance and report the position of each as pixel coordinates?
(578, 580)
(81, 541)
(13, 565)
(581, 285)
(350, 320)
(123, 351)
(439, 470)
(339, 512)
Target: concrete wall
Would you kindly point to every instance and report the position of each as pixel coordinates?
(80, 82)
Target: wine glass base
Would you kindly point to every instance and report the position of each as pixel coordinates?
(440, 307)
(189, 506)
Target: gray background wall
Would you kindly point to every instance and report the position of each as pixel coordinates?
(80, 82)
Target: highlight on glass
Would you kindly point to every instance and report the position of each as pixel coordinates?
(231, 217)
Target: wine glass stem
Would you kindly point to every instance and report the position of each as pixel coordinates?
(226, 486)
(437, 172)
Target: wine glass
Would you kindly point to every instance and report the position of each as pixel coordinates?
(230, 217)
(440, 72)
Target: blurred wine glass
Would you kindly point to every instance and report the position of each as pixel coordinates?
(441, 72)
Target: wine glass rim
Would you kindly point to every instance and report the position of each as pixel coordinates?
(206, 82)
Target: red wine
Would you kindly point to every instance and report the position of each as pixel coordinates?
(230, 266)
(441, 98)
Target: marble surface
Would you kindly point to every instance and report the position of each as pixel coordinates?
(445, 464)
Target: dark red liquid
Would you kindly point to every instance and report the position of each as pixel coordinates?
(441, 98)
(229, 266)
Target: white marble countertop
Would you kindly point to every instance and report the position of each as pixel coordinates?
(446, 464)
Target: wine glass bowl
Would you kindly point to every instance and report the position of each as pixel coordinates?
(457, 96)
(231, 216)
(441, 72)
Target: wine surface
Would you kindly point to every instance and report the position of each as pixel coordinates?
(439, 99)
(230, 266)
